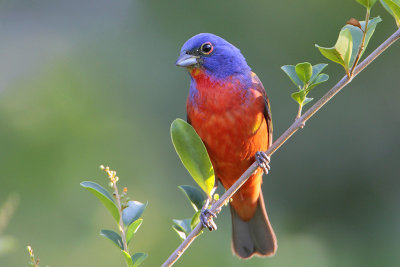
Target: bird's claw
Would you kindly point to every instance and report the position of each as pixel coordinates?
(206, 219)
(263, 161)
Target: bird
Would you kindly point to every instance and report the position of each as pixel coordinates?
(229, 109)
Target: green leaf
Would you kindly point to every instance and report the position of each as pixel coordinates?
(113, 236)
(132, 212)
(307, 100)
(341, 52)
(179, 231)
(320, 79)
(367, 3)
(304, 72)
(195, 196)
(193, 154)
(393, 7)
(184, 225)
(316, 70)
(357, 35)
(299, 97)
(128, 258)
(195, 220)
(290, 70)
(132, 229)
(103, 196)
(138, 258)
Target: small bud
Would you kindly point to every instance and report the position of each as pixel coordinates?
(354, 22)
(125, 190)
(102, 167)
(30, 250)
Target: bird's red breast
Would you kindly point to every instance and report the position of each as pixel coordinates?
(228, 115)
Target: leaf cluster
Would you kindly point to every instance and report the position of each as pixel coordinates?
(305, 77)
(131, 217)
(351, 44)
(351, 40)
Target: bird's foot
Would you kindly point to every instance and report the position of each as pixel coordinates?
(206, 219)
(263, 161)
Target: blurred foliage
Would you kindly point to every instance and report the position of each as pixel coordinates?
(86, 82)
(7, 209)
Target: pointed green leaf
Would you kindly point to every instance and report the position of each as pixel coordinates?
(367, 3)
(193, 154)
(304, 72)
(316, 70)
(103, 196)
(128, 258)
(184, 225)
(138, 258)
(332, 54)
(307, 100)
(132, 229)
(320, 79)
(195, 220)
(132, 212)
(290, 70)
(341, 52)
(113, 236)
(393, 7)
(179, 231)
(357, 35)
(195, 196)
(299, 96)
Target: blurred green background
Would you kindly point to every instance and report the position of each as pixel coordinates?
(84, 83)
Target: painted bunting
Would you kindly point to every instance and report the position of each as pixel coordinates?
(229, 109)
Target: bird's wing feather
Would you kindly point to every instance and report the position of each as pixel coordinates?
(267, 110)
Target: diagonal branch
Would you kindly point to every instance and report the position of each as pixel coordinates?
(298, 123)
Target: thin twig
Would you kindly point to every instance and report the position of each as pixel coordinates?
(362, 45)
(121, 222)
(299, 110)
(299, 123)
(112, 175)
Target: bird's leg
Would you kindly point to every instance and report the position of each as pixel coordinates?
(206, 216)
(263, 161)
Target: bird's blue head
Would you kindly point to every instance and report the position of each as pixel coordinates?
(216, 56)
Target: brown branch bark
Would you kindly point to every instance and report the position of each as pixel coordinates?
(298, 123)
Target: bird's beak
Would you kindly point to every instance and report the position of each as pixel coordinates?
(186, 60)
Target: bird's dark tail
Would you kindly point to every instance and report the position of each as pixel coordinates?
(255, 236)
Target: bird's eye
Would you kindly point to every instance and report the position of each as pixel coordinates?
(206, 48)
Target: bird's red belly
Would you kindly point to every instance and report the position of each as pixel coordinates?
(232, 135)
